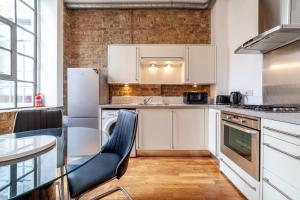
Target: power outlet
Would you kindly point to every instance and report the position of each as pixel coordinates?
(249, 93)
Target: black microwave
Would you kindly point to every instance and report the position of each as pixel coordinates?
(195, 97)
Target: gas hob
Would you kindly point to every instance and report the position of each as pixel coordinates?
(270, 108)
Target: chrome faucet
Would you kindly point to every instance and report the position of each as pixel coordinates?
(146, 100)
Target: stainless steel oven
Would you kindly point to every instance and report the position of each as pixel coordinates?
(240, 139)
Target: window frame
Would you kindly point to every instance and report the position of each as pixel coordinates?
(14, 53)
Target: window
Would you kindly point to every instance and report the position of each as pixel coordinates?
(18, 47)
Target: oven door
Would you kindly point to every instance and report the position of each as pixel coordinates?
(241, 145)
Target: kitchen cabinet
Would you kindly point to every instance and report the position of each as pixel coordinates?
(171, 129)
(280, 144)
(200, 64)
(191, 64)
(166, 52)
(188, 129)
(154, 129)
(123, 64)
(214, 131)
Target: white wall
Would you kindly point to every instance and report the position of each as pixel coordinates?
(233, 23)
(245, 71)
(219, 37)
(51, 51)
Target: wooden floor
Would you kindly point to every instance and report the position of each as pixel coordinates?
(173, 178)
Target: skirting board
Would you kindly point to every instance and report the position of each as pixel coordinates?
(173, 153)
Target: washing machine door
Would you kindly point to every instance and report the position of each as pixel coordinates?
(108, 129)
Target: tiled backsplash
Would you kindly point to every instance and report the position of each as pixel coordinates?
(155, 90)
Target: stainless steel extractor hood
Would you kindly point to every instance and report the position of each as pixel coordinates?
(139, 4)
(279, 25)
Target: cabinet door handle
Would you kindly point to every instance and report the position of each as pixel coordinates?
(281, 132)
(187, 64)
(252, 187)
(137, 64)
(281, 151)
(140, 129)
(277, 189)
(217, 131)
(172, 130)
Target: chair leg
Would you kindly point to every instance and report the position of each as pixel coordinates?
(111, 191)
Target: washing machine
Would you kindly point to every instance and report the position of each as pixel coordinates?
(109, 119)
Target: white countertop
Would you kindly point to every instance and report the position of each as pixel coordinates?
(293, 118)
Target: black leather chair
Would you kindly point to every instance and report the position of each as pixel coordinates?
(37, 119)
(111, 163)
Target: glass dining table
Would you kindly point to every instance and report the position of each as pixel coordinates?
(74, 147)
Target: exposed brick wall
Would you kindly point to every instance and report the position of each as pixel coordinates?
(6, 122)
(155, 90)
(178, 90)
(89, 31)
(135, 90)
(93, 30)
(171, 26)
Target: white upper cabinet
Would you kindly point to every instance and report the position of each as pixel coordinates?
(187, 64)
(162, 51)
(200, 64)
(123, 64)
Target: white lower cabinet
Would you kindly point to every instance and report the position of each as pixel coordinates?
(280, 160)
(273, 187)
(248, 186)
(189, 129)
(270, 193)
(214, 131)
(171, 129)
(155, 129)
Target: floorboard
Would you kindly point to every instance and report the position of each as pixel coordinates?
(172, 178)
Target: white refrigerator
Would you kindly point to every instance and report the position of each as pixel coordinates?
(87, 88)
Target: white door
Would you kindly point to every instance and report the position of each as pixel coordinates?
(201, 64)
(123, 64)
(214, 131)
(189, 129)
(155, 129)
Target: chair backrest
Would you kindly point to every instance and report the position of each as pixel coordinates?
(122, 139)
(37, 119)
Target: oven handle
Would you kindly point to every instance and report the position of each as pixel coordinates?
(246, 130)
